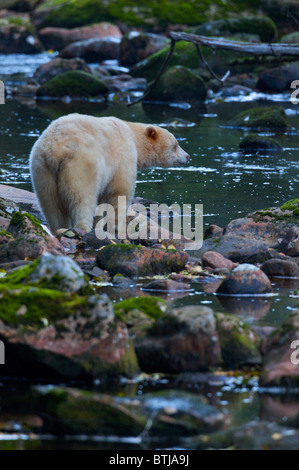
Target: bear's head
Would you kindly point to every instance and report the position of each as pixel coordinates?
(161, 149)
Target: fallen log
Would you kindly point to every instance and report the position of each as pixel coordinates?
(256, 49)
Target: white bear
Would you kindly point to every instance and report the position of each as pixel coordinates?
(81, 161)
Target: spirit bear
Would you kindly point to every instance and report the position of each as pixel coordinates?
(81, 161)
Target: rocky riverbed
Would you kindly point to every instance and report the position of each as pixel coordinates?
(144, 345)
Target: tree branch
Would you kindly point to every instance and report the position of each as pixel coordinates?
(257, 49)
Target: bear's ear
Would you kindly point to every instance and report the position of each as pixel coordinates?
(151, 132)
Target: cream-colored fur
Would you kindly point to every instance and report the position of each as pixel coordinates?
(81, 161)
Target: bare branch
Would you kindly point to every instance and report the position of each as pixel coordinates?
(172, 45)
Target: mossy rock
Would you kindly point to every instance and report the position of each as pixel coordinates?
(74, 411)
(239, 343)
(292, 205)
(291, 38)
(7, 208)
(152, 307)
(50, 272)
(262, 118)
(179, 83)
(134, 12)
(17, 21)
(262, 26)
(74, 83)
(253, 143)
(35, 307)
(184, 54)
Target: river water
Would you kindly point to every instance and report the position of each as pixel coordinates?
(227, 183)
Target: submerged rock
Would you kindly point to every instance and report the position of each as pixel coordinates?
(74, 83)
(170, 413)
(254, 435)
(179, 83)
(253, 143)
(57, 66)
(134, 261)
(245, 279)
(262, 118)
(166, 285)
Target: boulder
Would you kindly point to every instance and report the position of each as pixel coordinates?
(136, 46)
(74, 83)
(185, 340)
(280, 268)
(18, 37)
(179, 83)
(25, 238)
(48, 333)
(253, 237)
(240, 345)
(135, 261)
(262, 118)
(255, 144)
(215, 260)
(245, 279)
(194, 338)
(49, 70)
(278, 79)
(291, 38)
(58, 38)
(93, 50)
(280, 362)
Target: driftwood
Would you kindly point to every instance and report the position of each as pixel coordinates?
(257, 49)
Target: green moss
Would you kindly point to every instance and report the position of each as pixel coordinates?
(18, 21)
(239, 344)
(76, 411)
(172, 86)
(184, 54)
(74, 83)
(29, 306)
(271, 117)
(260, 26)
(18, 219)
(149, 13)
(153, 307)
(291, 205)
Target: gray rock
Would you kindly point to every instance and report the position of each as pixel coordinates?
(68, 276)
